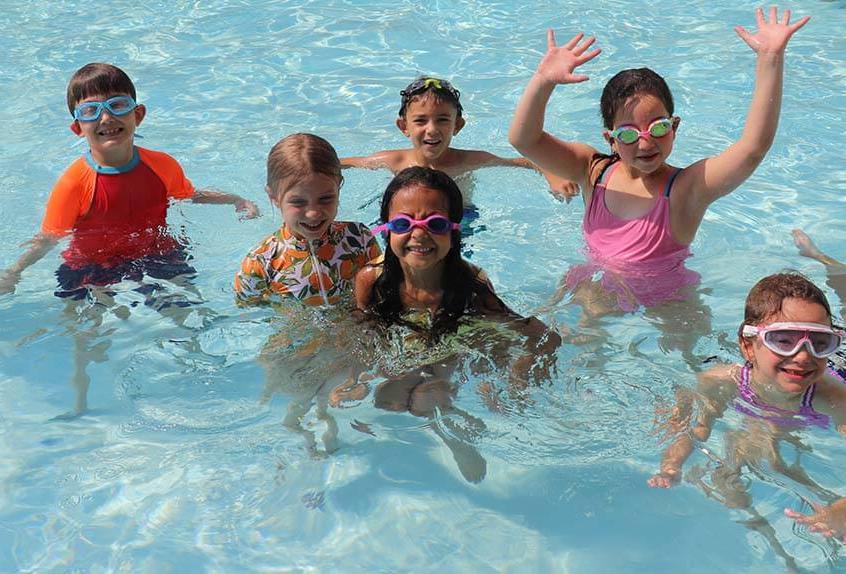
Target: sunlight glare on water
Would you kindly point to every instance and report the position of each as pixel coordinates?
(209, 444)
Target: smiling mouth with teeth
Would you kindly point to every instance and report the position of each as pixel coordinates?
(419, 249)
(312, 226)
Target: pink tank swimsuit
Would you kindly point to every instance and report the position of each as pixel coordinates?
(638, 259)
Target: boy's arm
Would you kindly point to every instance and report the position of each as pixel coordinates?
(716, 176)
(560, 188)
(387, 159)
(715, 390)
(564, 159)
(245, 207)
(39, 246)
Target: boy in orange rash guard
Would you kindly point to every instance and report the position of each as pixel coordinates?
(113, 201)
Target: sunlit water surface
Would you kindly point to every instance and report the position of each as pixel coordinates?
(183, 463)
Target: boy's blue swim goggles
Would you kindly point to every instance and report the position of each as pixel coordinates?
(116, 106)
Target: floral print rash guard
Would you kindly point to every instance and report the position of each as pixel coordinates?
(316, 272)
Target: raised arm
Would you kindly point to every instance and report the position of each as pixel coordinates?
(37, 248)
(246, 208)
(717, 176)
(564, 159)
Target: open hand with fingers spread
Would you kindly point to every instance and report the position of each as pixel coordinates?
(773, 34)
(559, 62)
(830, 521)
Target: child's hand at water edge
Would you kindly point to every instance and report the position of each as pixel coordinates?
(830, 521)
(668, 477)
(559, 63)
(560, 188)
(246, 209)
(772, 36)
(8, 281)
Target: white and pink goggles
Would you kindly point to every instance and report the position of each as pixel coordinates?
(786, 339)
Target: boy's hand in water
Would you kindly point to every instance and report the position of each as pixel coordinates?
(772, 36)
(830, 521)
(669, 476)
(8, 280)
(560, 188)
(559, 62)
(246, 209)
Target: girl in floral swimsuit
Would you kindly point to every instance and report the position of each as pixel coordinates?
(311, 257)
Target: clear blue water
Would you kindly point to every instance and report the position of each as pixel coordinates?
(182, 462)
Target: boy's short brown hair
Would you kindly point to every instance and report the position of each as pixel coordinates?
(98, 79)
(297, 156)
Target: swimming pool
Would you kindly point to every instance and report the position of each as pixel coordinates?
(182, 462)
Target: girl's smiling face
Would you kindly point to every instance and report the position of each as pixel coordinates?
(309, 206)
(793, 374)
(419, 250)
(648, 153)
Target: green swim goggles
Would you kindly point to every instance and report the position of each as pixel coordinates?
(630, 134)
(116, 106)
(437, 85)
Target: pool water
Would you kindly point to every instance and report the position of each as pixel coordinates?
(206, 448)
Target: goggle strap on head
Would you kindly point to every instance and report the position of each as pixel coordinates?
(422, 84)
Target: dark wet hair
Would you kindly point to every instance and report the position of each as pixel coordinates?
(766, 298)
(461, 284)
(97, 79)
(628, 83)
(297, 156)
(441, 89)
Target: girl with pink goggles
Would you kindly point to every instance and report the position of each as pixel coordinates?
(786, 339)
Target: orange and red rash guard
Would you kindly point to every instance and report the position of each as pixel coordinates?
(115, 214)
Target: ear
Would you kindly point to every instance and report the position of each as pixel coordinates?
(140, 112)
(676, 122)
(459, 123)
(74, 127)
(607, 135)
(271, 194)
(403, 126)
(746, 344)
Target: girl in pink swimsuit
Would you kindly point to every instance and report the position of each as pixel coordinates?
(637, 231)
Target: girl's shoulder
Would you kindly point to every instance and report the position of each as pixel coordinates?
(365, 281)
(722, 376)
(831, 385)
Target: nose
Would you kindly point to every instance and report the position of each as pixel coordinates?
(645, 140)
(418, 231)
(804, 353)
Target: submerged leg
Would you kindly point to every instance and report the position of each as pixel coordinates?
(834, 269)
(682, 324)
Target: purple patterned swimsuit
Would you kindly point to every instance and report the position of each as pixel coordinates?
(805, 416)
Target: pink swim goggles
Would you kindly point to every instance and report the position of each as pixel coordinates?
(437, 224)
(786, 339)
